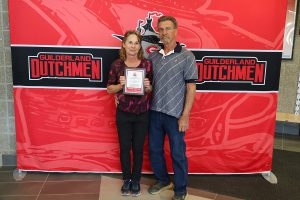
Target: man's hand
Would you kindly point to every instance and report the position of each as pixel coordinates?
(147, 85)
(183, 123)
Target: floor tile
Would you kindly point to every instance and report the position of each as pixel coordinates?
(25, 188)
(73, 177)
(225, 184)
(69, 197)
(167, 195)
(8, 176)
(224, 197)
(201, 193)
(71, 187)
(148, 179)
(14, 197)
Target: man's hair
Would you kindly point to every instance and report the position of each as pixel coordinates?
(122, 52)
(167, 18)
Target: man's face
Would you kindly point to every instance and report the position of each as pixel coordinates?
(167, 32)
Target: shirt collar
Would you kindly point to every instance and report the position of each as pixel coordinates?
(163, 52)
(177, 49)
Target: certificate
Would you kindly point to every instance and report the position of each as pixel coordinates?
(134, 84)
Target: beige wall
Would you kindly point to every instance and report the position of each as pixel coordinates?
(287, 90)
(290, 70)
(7, 126)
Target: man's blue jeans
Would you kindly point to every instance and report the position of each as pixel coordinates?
(161, 124)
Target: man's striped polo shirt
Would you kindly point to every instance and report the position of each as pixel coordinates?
(170, 74)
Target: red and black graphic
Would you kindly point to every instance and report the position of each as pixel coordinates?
(65, 120)
(62, 67)
(203, 24)
(232, 69)
(150, 39)
(238, 70)
(65, 66)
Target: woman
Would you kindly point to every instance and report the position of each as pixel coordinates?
(132, 110)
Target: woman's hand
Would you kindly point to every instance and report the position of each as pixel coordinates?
(122, 80)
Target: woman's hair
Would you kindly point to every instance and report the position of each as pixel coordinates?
(122, 52)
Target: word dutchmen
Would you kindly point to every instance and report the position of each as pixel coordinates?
(220, 69)
(65, 66)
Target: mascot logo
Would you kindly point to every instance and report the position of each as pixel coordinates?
(150, 41)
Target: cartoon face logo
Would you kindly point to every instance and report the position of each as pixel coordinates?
(150, 40)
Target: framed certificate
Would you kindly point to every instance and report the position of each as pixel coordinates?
(134, 84)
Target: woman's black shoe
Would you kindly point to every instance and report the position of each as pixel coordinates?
(135, 188)
(125, 190)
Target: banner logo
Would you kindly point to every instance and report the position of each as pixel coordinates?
(54, 65)
(231, 69)
(150, 41)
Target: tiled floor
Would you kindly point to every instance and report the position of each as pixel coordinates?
(88, 186)
(77, 186)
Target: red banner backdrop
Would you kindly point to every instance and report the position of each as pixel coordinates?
(61, 54)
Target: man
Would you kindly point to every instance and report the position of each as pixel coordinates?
(174, 75)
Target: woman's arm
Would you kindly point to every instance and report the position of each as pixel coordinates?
(116, 88)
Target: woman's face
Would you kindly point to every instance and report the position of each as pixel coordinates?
(132, 45)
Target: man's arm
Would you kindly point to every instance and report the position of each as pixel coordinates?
(183, 121)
